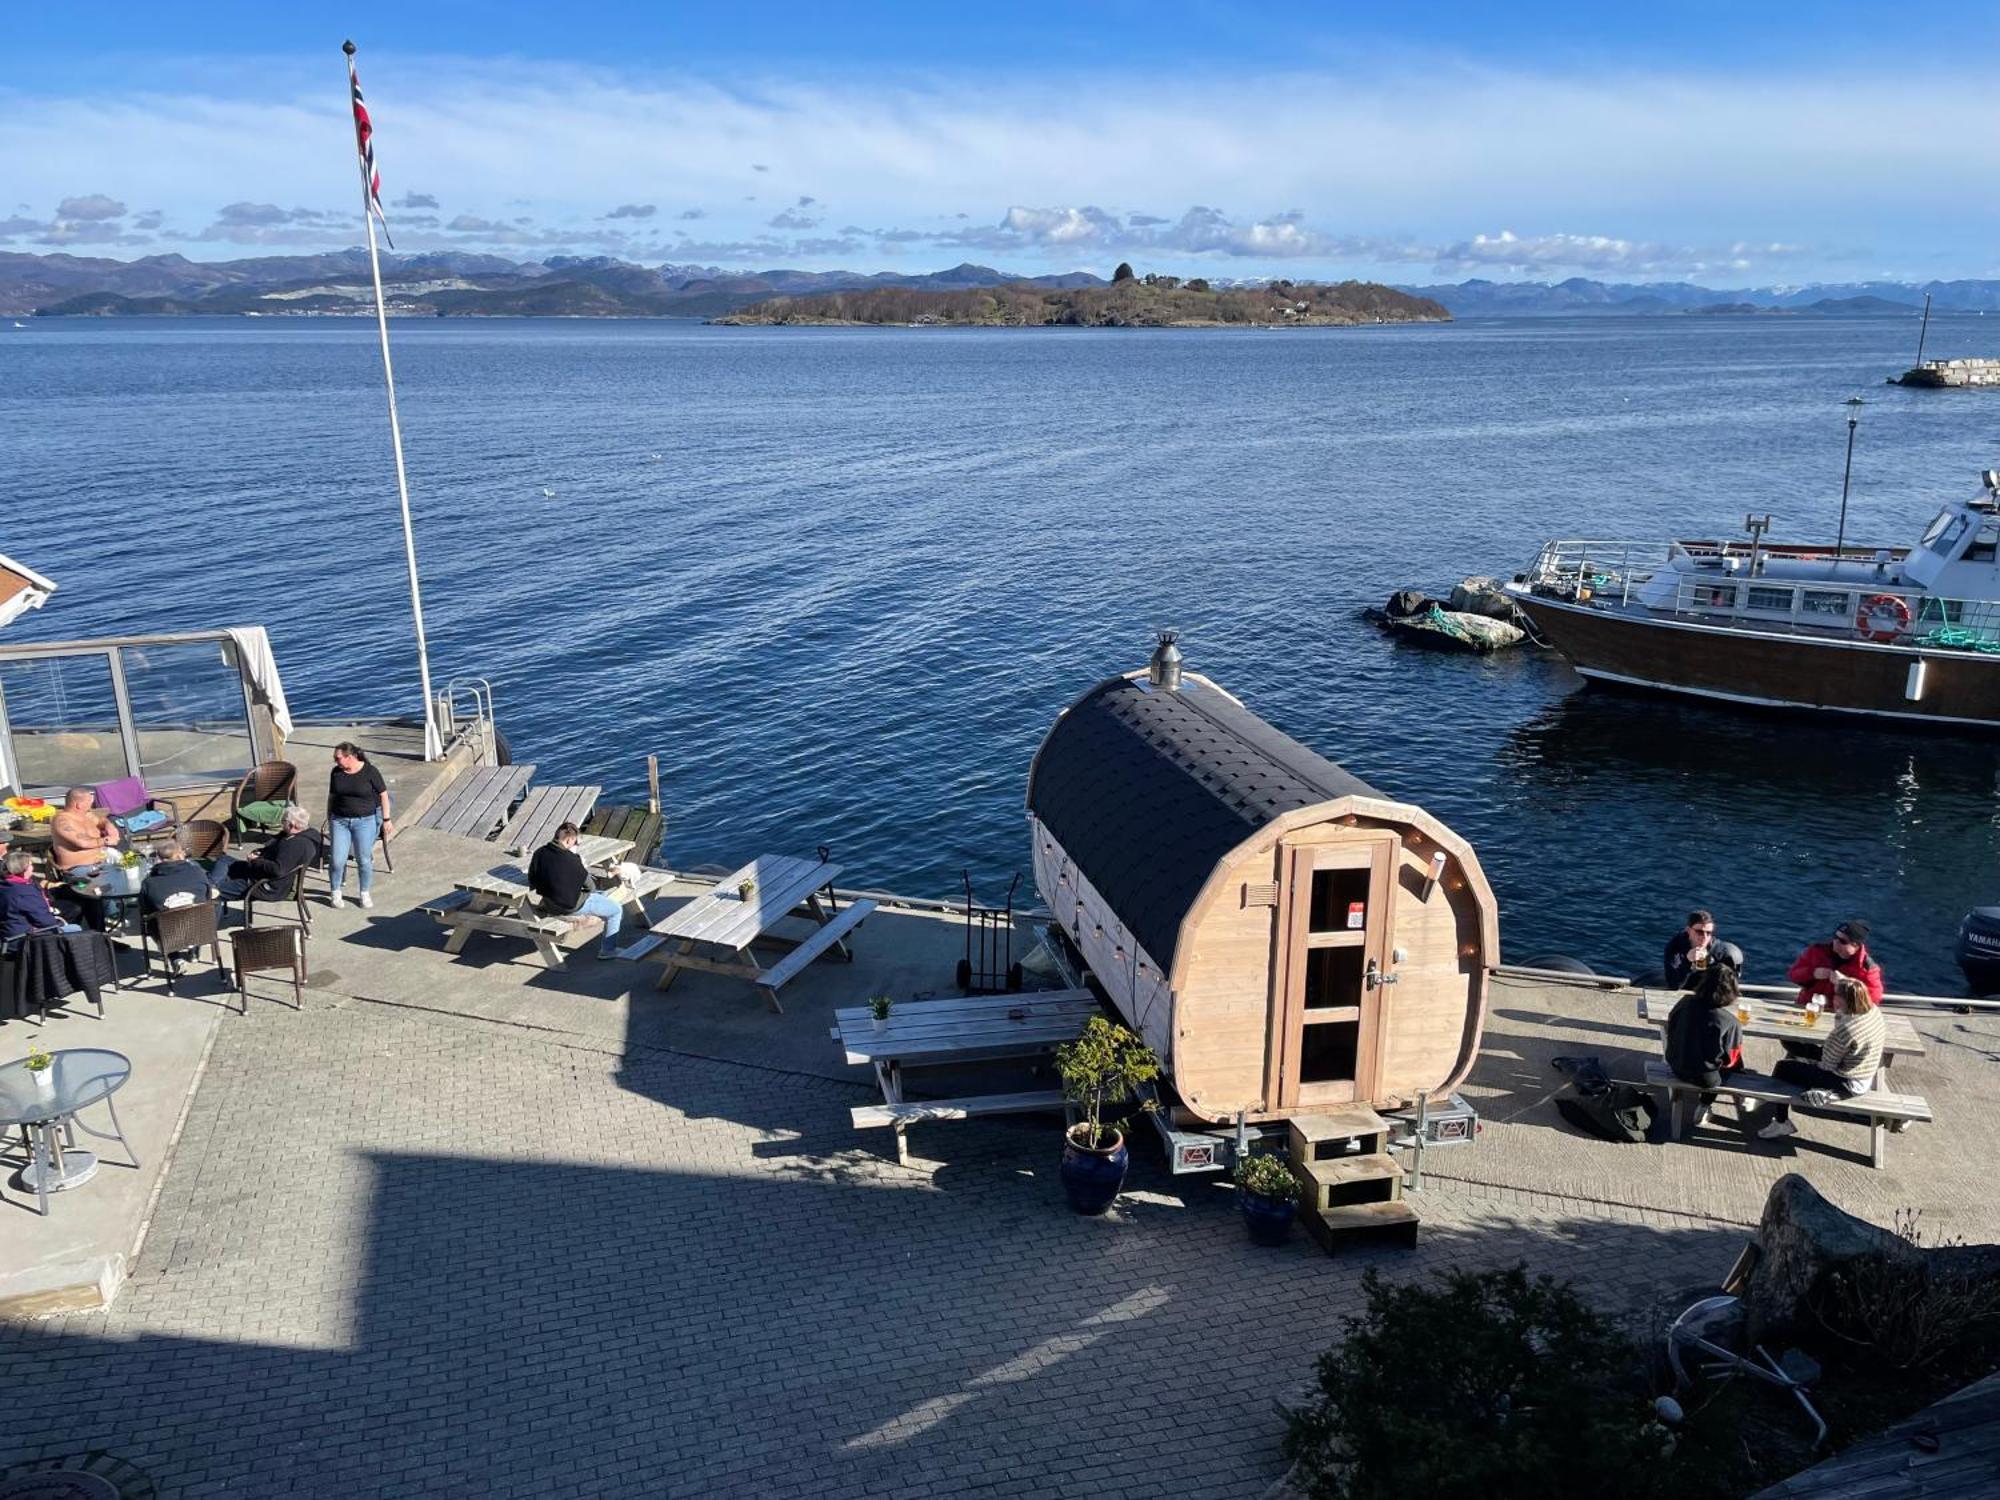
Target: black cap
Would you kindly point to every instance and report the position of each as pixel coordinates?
(1853, 929)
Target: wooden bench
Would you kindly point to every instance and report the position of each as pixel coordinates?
(1878, 1108)
(913, 1111)
(476, 803)
(830, 934)
(496, 903)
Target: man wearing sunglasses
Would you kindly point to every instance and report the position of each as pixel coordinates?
(1690, 951)
(1846, 952)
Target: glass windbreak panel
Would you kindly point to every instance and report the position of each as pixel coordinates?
(1947, 538)
(1826, 603)
(1328, 1050)
(1936, 529)
(1769, 599)
(187, 711)
(1333, 976)
(62, 720)
(1335, 896)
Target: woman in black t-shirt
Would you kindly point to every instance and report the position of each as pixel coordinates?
(357, 809)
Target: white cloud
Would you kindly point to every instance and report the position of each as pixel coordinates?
(91, 207)
(633, 211)
(1607, 254)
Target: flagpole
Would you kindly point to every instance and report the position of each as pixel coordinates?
(433, 746)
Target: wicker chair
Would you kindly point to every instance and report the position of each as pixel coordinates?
(205, 839)
(273, 781)
(285, 890)
(258, 950)
(176, 929)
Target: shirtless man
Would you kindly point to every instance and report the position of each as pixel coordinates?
(81, 836)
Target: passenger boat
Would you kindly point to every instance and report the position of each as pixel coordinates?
(1900, 633)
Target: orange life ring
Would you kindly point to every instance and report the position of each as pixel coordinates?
(1877, 605)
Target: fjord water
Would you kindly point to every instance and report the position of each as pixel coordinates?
(842, 580)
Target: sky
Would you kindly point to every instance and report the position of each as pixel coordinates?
(1728, 144)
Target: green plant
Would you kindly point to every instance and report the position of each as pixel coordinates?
(1484, 1386)
(1268, 1177)
(879, 1006)
(1902, 1308)
(1102, 1066)
(746, 889)
(39, 1061)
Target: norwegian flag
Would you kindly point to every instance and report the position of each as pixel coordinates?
(364, 142)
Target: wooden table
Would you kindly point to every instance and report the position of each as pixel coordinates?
(1785, 1022)
(974, 1028)
(714, 932)
(499, 901)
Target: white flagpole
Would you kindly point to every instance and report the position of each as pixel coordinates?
(433, 746)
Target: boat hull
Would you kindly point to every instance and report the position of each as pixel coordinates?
(1958, 688)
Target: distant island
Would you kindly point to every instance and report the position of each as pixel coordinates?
(1129, 301)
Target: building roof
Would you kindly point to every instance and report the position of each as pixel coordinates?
(1147, 790)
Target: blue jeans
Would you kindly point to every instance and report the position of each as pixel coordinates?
(358, 835)
(597, 904)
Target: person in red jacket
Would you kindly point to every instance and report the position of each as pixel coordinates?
(1846, 953)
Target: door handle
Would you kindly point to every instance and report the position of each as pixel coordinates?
(1376, 978)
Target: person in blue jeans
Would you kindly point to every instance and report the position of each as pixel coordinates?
(561, 883)
(357, 810)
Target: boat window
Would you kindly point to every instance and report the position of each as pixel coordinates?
(1936, 529)
(1983, 547)
(1769, 599)
(1836, 603)
(62, 720)
(1948, 538)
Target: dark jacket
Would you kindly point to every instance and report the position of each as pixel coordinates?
(558, 876)
(1822, 956)
(24, 909)
(172, 879)
(284, 854)
(1675, 965)
(1703, 1040)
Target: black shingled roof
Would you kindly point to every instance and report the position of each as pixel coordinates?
(1147, 790)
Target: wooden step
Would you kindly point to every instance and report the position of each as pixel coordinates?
(1332, 1183)
(1362, 1222)
(831, 934)
(1316, 1137)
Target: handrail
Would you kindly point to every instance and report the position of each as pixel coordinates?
(480, 692)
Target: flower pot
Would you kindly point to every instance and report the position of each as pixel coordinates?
(878, 1023)
(1269, 1220)
(45, 1078)
(1092, 1175)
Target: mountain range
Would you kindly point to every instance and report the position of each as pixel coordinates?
(459, 284)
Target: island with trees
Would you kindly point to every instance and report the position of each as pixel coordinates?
(1128, 301)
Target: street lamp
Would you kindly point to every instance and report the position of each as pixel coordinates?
(1847, 473)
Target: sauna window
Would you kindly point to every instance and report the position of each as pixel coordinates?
(1333, 893)
(1770, 600)
(1827, 603)
(62, 720)
(1334, 976)
(1329, 1051)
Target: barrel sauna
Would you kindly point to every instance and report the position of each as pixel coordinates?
(1289, 940)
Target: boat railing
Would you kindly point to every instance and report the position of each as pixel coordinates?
(1598, 569)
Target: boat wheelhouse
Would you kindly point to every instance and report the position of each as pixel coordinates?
(1909, 633)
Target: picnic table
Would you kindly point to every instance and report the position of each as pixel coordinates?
(543, 811)
(499, 902)
(715, 931)
(972, 1028)
(1785, 1022)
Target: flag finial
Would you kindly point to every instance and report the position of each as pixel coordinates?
(348, 48)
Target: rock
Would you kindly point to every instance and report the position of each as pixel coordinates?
(1454, 632)
(1800, 1240)
(1406, 602)
(1483, 596)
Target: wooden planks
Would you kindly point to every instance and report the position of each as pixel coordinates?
(927, 1032)
(640, 827)
(721, 917)
(1961, 1460)
(871, 1116)
(829, 934)
(544, 810)
(1781, 1019)
(477, 801)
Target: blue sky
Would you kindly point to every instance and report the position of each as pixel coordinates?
(1729, 144)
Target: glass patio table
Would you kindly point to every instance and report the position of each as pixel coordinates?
(46, 1114)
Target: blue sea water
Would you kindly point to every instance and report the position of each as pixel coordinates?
(842, 580)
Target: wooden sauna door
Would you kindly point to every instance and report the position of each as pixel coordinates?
(1334, 939)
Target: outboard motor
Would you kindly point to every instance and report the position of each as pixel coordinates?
(1979, 949)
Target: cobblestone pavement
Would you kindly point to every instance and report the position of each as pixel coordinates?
(407, 1254)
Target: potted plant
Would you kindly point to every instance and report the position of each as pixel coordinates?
(879, 1007)
(41, 1066)
(1103, 1066)
(745, 890)
(1270, 1195)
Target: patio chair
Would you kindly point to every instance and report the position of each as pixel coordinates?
(176, 929)
(133, 808)
(281, 891)
(205, 840)
(259, 803)
(42, 970)
(259, 950)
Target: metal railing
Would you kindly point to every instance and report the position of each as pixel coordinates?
(1611, 571)
(467, 703)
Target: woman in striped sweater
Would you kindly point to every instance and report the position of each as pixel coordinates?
(1847, 1063)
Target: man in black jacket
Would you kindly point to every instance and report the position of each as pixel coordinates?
(296, 848)
(1704, 1040)
(561, 883)
(1689, 950)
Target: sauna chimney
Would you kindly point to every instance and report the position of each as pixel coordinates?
(1164, 670)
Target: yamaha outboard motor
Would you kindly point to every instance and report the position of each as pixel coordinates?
(1979, 949)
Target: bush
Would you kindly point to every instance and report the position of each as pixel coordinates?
(1485, 1387)
(1267, 1176)
(1124, 271)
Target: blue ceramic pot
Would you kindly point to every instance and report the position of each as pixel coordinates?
(1269, 1220)
(1092, 1177)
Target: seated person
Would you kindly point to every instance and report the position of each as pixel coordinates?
(1688, 950)
(1846, 1065)
(82, 837)
(24, 906)
(561, 884)
(1704, 1039)
(175, 880)
(295, 848)
(1844, 954)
